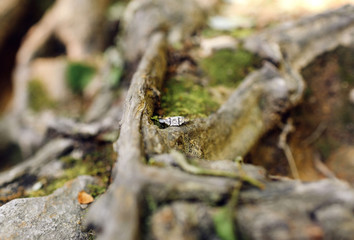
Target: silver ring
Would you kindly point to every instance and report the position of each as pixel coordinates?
(173, 121)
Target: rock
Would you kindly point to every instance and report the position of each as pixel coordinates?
(292, 210)
(57, 216)
(182, 220)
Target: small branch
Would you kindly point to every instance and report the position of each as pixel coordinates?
(322, 168)
(186, 166)
(316, 134)
(288, 128)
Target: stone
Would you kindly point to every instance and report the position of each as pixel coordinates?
(182, 220)
(57, 216)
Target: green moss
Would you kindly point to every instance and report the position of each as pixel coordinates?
(227, 67)
(242, 32)
(115, 76)
(151, 203)
(183, 97)
(210, 33)
(38, 96)
(91, 234)
(78, 76)
(237, 33)
(96, 190)
(97, 163)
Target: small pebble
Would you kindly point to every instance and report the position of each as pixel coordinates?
(37, 186)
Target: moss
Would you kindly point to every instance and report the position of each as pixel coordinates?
(242, 32)
(115, 76)
(96, 190)
(228, 67)
(237, 33)
(210, 33)
(78, 76)
(97, 163)
(183, 97)
(91, 234)
(151, 203)
(38, 96)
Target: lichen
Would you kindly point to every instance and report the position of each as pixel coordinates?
(38, 96)
(228, 67)
(184, 97)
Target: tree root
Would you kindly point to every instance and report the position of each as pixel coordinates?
(253, 109)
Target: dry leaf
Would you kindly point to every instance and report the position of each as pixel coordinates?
(84, 198)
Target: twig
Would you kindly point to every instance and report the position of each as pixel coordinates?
(186, 166)
(316, 134)
(288, 128)
(322, 168)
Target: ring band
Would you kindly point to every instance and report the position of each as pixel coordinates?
(173, 121)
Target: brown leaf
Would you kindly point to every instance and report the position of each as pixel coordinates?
(84, 198)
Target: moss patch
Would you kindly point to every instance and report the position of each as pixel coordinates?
(38, 96)
(96, 163)
(78, 76)
(96, 190)
(183, 97)
(227, 67)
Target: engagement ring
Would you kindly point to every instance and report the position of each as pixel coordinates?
(173, 121)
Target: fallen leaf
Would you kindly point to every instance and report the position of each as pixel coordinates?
(84, 198)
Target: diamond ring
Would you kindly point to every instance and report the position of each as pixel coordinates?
(173, 121)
